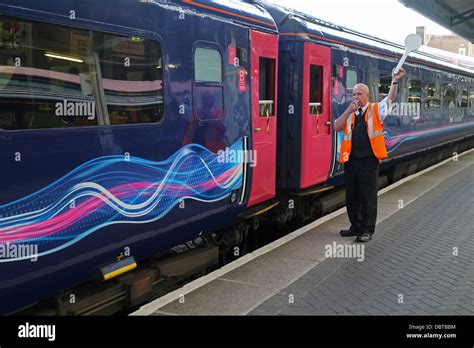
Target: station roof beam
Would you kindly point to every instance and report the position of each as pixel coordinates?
(455, 15)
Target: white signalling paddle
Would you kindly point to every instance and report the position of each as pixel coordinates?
(412, 42)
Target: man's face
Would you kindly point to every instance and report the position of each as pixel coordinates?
(361, 95)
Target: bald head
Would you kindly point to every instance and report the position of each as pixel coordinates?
(363, 87)
(361, 94)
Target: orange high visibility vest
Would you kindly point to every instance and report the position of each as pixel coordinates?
(374, 130)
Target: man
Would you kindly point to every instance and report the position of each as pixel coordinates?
(362, 149)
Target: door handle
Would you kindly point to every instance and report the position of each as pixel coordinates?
(328, 123)
(257, 129)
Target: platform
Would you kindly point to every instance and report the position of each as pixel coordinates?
(419, 262)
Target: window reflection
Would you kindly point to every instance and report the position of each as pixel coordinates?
(449, 94)
(45, 78)
(132, 74)
(432, 95)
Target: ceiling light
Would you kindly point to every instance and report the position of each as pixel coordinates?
(63, 57)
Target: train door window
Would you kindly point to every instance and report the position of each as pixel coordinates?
(132, 78)
(267, 87)
(432, 95)
(207, 65)
(315, 89)
(448, 93)
(463, 97)
(207, 89)
(414, 90)
(45, 81)
(351, 79)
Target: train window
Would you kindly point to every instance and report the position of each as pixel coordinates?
(384, 85)
(374, 82)
(207, 65)
(45, 81)
(315, 89)
(414, 90)
(463, 97)
(132, 78)
(267, 87)
(448, 92)
(432, 95)
(379, 85)
(351, 79)
(471, 98)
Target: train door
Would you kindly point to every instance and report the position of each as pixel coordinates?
(316, 116)
(264, 63)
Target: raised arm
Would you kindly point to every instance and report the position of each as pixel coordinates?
(392, 94)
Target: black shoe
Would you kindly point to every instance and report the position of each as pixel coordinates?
(364, 237)
(348, 233)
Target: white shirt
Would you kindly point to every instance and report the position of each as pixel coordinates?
(384, 109)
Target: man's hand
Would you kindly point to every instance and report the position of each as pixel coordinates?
(392, 93)
(353, 106)
(397, 77)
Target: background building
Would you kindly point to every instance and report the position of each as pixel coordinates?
(450, 43)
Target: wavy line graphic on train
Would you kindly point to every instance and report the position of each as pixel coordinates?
(112, 190)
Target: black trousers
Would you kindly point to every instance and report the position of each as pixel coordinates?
(361, 180)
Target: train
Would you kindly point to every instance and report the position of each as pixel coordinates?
(128, 128)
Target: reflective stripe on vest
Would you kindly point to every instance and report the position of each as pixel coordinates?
(370, 123)
(349, 128)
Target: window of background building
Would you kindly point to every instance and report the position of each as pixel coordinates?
(132, 78)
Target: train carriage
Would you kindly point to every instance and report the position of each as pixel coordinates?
(321, 62)
(115, 121)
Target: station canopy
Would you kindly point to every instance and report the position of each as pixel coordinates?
(455, 15)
